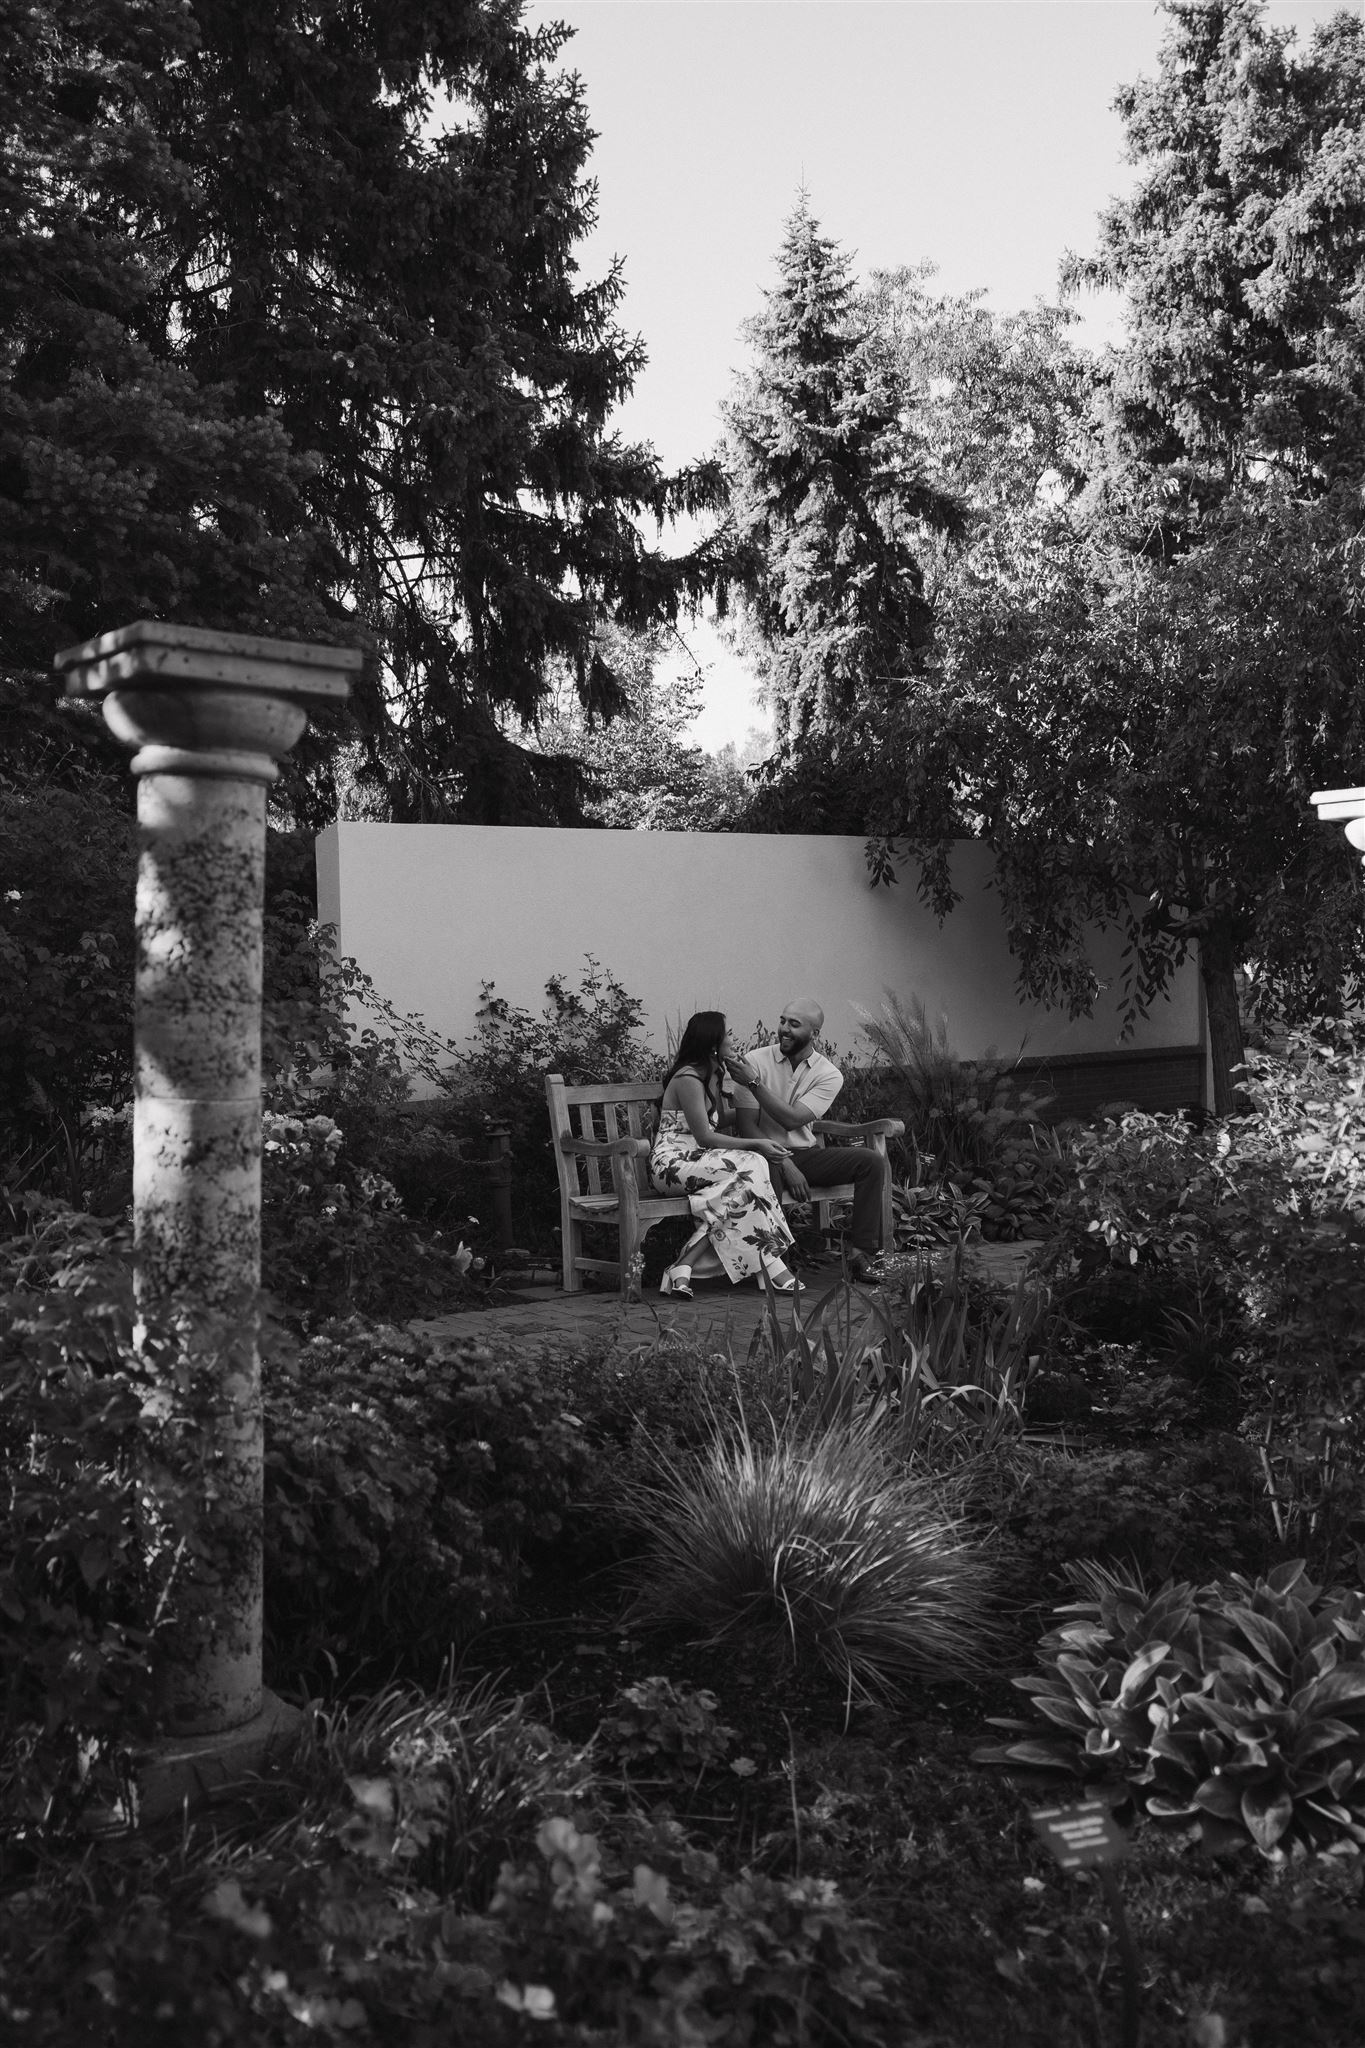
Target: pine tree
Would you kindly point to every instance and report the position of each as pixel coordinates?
(825, 508)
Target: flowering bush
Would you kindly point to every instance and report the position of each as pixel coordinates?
(334, 1231)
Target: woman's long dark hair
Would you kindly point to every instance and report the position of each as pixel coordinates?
(700, 1043)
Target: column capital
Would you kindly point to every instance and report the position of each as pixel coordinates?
(1345, 807)
(195, 702)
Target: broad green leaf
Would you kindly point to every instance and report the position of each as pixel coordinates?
(1267, 1814)
(1264, 1636)
(1140, 1670)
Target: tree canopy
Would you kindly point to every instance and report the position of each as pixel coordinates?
(640, 771)
(292, 336)
(1149, 629)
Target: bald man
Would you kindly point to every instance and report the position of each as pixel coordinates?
(786, 1087)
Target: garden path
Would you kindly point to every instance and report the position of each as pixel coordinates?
(547, 1319)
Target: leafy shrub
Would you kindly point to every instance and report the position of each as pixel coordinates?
(816, 1550)
(1145, 1192)
(1301, 1235)
(66, 986)
(932, 1213)
(101, 1502)
(1156, 1507)
(403, 1488)
(366, 1197)
(446, 1785)
(1236, 1254)
(782, 1962)
(588, 1033)
(1261, 1216)
(664, 1727)
(358, 1918)
(1237, 1707)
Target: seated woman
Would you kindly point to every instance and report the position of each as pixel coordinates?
(698, 1152)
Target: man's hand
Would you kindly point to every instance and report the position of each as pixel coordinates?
(795, 1180)
(739, 1070)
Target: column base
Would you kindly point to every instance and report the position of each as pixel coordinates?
(177, 1772)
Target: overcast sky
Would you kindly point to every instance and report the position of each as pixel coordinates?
(977, 135)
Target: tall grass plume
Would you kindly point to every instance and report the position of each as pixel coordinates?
(816, 1549)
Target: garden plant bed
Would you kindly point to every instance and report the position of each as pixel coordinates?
(213, 1931)
(536, 1796)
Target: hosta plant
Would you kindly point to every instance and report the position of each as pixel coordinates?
(1236, 1706)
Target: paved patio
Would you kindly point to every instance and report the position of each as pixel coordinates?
(545, 1318)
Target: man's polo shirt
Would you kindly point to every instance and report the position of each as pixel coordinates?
(811, 1086)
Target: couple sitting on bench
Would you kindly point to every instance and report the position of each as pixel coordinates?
(735, 1135)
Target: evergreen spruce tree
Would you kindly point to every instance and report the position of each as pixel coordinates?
(292, 336)
(825, 504)
(128, 486)
(1241, 257)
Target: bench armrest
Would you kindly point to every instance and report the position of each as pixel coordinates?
(600, 1148)
(879, 1127)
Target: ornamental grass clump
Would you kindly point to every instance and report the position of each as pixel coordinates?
(1237, 1707)
(815, 1548)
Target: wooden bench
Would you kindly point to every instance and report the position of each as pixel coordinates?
(602, 1136)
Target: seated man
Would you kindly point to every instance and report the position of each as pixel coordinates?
(781, 1090)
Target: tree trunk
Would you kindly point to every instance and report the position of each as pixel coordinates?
(1217, 962)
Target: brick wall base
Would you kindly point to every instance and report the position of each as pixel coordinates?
(1165, 1078)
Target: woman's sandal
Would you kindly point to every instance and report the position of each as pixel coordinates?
(791, 1285)
(676, 1280)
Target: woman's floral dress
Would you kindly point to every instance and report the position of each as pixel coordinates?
(729, 1193)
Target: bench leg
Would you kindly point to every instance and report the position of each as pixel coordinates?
(570, 1244)
(630, 1238)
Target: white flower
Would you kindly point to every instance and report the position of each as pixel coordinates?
(536, 2001)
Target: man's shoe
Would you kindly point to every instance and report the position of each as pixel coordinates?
(869, 1268)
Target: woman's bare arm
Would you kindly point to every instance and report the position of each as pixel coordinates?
(691, 1100)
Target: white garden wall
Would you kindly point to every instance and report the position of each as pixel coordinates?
(688, 921)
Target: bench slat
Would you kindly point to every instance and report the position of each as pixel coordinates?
(591, 1168)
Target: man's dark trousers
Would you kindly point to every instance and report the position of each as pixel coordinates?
(833, 1166)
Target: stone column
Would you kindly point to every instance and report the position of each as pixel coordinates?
(210, 715)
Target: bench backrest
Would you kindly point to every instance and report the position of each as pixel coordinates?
(605, 1110)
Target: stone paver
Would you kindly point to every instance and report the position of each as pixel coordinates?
(547, 1319)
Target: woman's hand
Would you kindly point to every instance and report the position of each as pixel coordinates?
(770, 1149)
